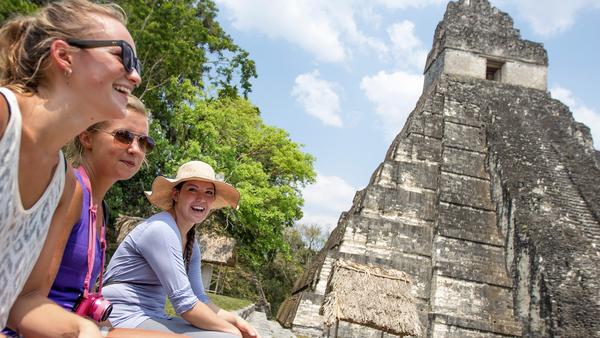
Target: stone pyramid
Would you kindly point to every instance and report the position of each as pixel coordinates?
(489, 198)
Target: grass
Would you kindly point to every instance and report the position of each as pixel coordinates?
(224, 302)
(228, 303)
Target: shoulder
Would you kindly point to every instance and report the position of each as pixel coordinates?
(159, 227)
(71, 198)
(4, 114)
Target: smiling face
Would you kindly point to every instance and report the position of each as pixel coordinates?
(193, 201)
(98, 75)
(110, 159)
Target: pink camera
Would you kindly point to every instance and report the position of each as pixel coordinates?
(93, 306)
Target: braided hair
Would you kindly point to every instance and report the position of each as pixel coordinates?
(189, 245)
(190, 238)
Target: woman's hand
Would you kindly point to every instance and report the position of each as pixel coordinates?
(245, 328)
(203, 316)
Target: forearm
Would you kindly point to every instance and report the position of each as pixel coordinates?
(36, 316)
(202, 316)
(241, 324)
(228, 316)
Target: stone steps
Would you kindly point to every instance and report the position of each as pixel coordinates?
(565, 191)
(268, 328)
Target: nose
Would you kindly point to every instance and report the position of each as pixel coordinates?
(134, 77)
(135, 147)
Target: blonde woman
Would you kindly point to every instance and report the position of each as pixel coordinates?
(68, 66)
(160, 258)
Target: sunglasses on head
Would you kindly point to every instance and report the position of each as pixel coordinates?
(128, 58)
(125, 137)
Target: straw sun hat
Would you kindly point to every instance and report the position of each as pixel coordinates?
(160, 196)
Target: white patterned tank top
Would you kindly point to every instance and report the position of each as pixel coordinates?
(22, 232)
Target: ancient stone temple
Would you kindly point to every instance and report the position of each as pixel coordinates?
(489, 198)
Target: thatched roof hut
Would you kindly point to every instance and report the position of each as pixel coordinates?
(216, 249)
(124, 224)
(371, 296)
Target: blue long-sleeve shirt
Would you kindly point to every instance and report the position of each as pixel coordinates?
(148, 267)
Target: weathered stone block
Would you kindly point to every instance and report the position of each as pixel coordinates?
(465, 162)
(464, 190)
(427, 124)
(426, 148)
(463, 63)
(448, 331)
(419, 175)
(467, 223)
(473, 305)
(385, 237)
(393, 203)
(462, 113)
(464, 137)
(401, 150)
(409, 174)
(470, 261)
(525, 74)
(505, 327)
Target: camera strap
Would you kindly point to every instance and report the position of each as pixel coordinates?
(92, 236)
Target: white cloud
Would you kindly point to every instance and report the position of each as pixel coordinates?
(305, 23)
(329, 30)
(403, 4)
(552, 16)
(325, 200)
(318, 97)
(394, 96)
(406, 46)
(581, 112)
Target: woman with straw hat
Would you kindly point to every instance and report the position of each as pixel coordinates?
(160, 258)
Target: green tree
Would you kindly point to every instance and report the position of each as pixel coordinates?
(16, 7)
(261, 161)
(178, 41)
(277, 276)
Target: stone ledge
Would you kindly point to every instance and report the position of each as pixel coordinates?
(509, 328)
(246, 311)
(468, 223)
(463, 136)
(470, 261)
(465, 162)
(474, 305)
(464, 190)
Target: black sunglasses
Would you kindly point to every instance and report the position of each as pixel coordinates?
(125, 137)
(128, 58)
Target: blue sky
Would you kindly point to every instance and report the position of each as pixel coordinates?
(341, 76)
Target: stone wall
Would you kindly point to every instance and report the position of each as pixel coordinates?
(466, 63)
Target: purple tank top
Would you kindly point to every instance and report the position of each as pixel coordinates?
(68, 285)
